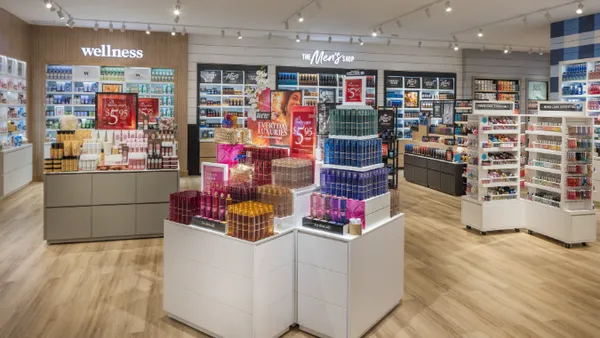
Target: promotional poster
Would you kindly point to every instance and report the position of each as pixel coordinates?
(213, 173)
(148, 107)
(304, 131)
(116, 111)
(278, 129)
(354, 90)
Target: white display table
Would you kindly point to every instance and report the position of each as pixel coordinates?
(15, 169)
(346, 284)
(227, 287)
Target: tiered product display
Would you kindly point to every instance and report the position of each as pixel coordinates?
(462, 109)
(71, 90)
(222, 92)
(13, 102)
(498, 90)
(559, 177)
(493, 170)
(413, 96)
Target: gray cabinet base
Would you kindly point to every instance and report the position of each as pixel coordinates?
(438, 175)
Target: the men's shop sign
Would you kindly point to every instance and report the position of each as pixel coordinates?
(319, 57)
(562, 106)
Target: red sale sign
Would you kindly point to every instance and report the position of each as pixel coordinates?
(148, 107)
(304, 131)
(116, 111)
(354, 90)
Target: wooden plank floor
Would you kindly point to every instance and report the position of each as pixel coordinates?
(458, 283)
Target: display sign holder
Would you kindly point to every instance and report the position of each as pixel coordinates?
(354, 91)
(213, 173)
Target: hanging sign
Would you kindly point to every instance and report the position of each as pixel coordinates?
(304, 132)
(116, 111)
(210, 76)
(430, 83)
(148, 110)
(321, 57)
(354, 91)
(446, 83)
(385, 120)
(412, 82)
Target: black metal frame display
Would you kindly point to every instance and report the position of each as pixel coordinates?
(387, 128)
(194, 134)
(324, 91)
(397, 83)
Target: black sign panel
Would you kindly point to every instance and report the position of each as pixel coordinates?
(355, 73)
(386, 118)
(394, 82)
(493, 106)
(323, 118)
(558, 107)
(251, 78)
(430, 83)
(233, 77)
(446, 83)
(209, 224)
(210, 76)
(412, 82)
(437, 109)
(317, 224)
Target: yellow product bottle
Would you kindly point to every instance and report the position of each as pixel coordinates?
(252, 218)
(270, 221)
(261, 233)
(243, 231)
(278, 199)
(228, 207)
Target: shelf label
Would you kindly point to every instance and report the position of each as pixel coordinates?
(320, 57)
(554, 107)
(86, 73)
(137, 74)
(317, 224)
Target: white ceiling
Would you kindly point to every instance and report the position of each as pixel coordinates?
(341, 18)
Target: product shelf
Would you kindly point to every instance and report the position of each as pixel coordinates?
(544, 151)
(544, 169)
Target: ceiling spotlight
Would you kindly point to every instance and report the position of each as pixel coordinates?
(456, 47)
(110, 27)
(480, 33)
(509, 49)
(448, 7)
(525, 20)
(318, 3)
(297, 37)
(307, 37)
(530, 51)
(360, 41)
(454, 38)
(398, 23)
(351, 40)
(579, 8)
(482, 48)
(176, 19)
(380, 31)
(541, 52)
(148, 30)
(374, 33)
(174, 31)
(184, 31)
(48, 4)
(329, 39)
(96, 26)
(427, 13)
(300, 17)
(505, 50)
(389, 42)
(60, 14)
(123, 27)
(70, 23)
(287, 25)
(269, 36)
(548, 16)
(177, 9)
(420, 44)
(239, 34)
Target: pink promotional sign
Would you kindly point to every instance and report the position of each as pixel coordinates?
(213, 173)
(227, 153)
(356, 209)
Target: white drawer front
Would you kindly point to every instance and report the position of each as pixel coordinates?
(326, 285)
(324, 318)
(322, 252)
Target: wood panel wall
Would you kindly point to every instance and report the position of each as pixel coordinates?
(62, 45)
(15, 37)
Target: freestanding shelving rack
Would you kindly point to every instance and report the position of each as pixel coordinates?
(559, 175)
(493, 169)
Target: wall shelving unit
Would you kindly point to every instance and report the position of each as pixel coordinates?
(13, 100)
(498, 90)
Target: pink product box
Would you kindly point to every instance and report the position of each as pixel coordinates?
(227, 153)
(356, 209)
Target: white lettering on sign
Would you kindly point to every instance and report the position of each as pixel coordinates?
(320, 57)
(106, 51)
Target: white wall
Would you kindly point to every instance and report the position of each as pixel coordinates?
(283, 52)
(497, 65)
